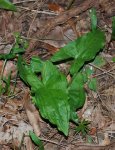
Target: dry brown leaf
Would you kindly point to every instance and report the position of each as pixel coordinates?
(93, 131)
(9, 67)
(97, 118)
(106, 140)
(32, 114)
(55, 7)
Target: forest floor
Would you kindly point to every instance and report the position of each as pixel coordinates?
(48, 25)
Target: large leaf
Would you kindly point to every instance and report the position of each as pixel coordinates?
(27, 75)
(76, 95)
(53, 105)
(6, 4)
(52, 78)
(82, 50)
(52, 99)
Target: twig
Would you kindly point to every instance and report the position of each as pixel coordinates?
(70, 4)
(53, 142)
(26, 1)
(38, 11)
(35, 15)
(104, 71)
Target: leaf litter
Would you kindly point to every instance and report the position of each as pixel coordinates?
(99, 106)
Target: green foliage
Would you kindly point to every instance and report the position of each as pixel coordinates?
(6, 4)
(91, 82)
(18, 48)
(76, 95)
(89, 139)
(53, 105)
(113, 28)
(36, 64)
(5, 84)
(82, 127)
(27, 75)
(36, 140)
(93, 17)
(55, 97)
(7, 56)
(20, 44)
(88, 72)
(6, 89)
(99, 61)
(113, 59)
(82, 50)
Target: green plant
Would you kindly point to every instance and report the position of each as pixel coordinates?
(6, 4)
(55, 97)
(113, 28)
(82, 50)
(18, 48)
(36, 140)
(113, 59)
(6, 89)
(4, 81)
(93, 17)
(82, 127)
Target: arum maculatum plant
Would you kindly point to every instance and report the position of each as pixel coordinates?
(57, 99)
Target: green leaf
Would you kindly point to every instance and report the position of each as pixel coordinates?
(89, 139)
(99, 61)
(82, 127)
(113, 28)
(83, 49)
(7, 56)
(20, 44)
(76, 95)
(19, 47)
(113, 59)
(93, 17)
(27, 75)
(7, 84)
(53, 105)
(52, 78)
(36, 140)
(92, 84)
(36, 64)
(52, 99)
(6, 4)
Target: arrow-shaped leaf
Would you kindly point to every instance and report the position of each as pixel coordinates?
(52, 99)
(81, 50)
